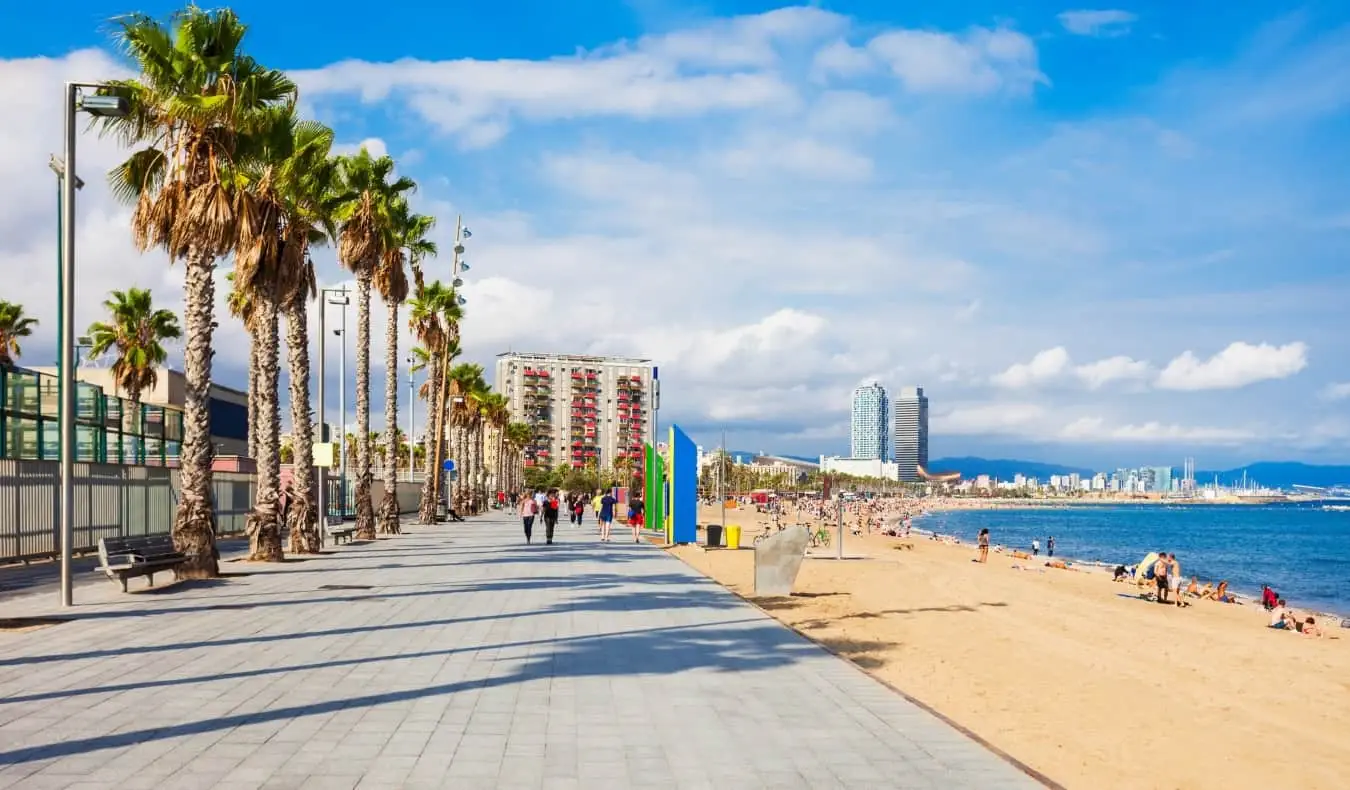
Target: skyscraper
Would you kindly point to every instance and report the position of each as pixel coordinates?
(911, 432)
(871, 421)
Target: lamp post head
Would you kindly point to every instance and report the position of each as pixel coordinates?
(103, 106)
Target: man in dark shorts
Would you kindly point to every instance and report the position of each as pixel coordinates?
(1160, 574)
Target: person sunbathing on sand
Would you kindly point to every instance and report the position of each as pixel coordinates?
(1193, 589)
(1310, 628)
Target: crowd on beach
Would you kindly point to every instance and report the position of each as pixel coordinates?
(894, 517)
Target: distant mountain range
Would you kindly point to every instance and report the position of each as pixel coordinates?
(1003, 469)
(1281, 474)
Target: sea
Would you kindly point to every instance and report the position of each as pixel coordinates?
(1300, 549)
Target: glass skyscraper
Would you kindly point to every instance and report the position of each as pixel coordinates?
(911, 432)
(871, 419)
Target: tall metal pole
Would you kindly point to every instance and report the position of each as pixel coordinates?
(412, 406)
(721, 480)
(441, 445)
(342, 422)
(839, 550)
(66, 375)
(323, 418)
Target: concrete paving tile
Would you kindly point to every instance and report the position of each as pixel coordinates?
(475, 660)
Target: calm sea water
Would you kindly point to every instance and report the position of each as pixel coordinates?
(1300, 550)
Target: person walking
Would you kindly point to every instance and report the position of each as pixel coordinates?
(607, 503)
(1035, 546)
(984, 544)
(579, 508)
(551, 506)
(528, 509)
(635, 509)
(1050, 546)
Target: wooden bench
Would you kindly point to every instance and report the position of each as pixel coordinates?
(339, 531)
(122, 558)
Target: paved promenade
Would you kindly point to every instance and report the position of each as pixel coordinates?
(456, 657)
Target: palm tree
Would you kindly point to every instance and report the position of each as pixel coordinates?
(496, 414)
(434, 315)
(365, 236)
(408, 234)
(465, 380)
(518, 435)
(138, 331)
(288, 193)
(196, 94)
(13, 325)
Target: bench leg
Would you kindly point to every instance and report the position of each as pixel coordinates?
(124, 584)
(152, 579)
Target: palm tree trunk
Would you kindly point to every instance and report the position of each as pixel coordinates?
(303, 517)
(365, 510)
(194, 521)
(426, 513)
(440, 444)
(264, 523)
(254, 395)
(389, 504)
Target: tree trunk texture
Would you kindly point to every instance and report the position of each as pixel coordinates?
(264, 523)
(389, 502)
(303, 516)
(441, 441)
(194, 520)
(365, 510)
(253, 395)
(426, 513)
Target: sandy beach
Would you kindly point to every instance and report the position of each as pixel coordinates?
(1070, 672)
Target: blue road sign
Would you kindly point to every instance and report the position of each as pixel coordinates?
(448, 465)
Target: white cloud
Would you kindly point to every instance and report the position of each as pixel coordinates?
(374, 145)
(801, 157)
(1046, 366)
(1337, 391)
(839, 58)
(1105, 371)
(1095, 429)
(981, 61)
(989, 418)
(1097, 23)
(1236, 366)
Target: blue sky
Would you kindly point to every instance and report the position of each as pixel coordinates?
(1096, 234)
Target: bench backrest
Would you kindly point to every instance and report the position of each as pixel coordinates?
(144, 545)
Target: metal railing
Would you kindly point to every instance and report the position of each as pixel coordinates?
(111, 500)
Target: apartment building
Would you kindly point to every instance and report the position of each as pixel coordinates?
(585, 410)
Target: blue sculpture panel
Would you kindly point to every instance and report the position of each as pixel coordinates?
(683, 487)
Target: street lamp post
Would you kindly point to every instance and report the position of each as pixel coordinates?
(412, 407)
(457, 267)
(338, 296)
(105, 106)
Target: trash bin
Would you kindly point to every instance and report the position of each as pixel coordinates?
(714, 535)
(733, 536)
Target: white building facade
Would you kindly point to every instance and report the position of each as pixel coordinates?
(585, 410)
(911, 432)
(860, 467)
(870, 423)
